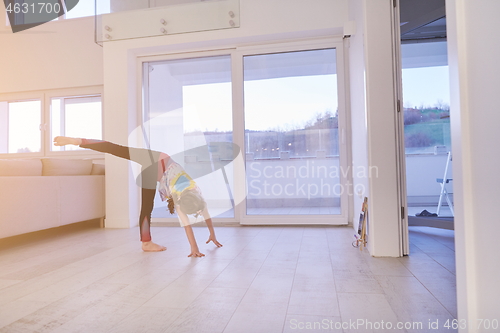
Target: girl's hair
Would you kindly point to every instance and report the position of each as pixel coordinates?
(171, 205)
(190, 202)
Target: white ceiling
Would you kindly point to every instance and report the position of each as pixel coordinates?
(422, 19)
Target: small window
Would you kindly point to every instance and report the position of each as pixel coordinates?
(82, 9)
(76, 116)
(20, 126)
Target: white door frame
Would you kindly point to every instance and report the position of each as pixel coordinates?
(400, 153)
(239, 126)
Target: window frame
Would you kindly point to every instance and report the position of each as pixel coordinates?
(25, 97)
(45, 97)
(298, 46)
(69, 93)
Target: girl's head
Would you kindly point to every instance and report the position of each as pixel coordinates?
(191, 202)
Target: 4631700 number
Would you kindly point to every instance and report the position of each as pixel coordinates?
(33, 8)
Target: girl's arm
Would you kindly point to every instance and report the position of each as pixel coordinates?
(195, 251)
(210, 227)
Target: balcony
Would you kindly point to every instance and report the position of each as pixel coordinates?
(127, 19)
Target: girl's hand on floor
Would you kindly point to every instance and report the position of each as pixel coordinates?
(195, 254)
(213, 239)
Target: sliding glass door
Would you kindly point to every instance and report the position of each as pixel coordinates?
(292, 133)
(188, 115)
(279, 114)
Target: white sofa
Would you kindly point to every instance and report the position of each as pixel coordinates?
(38, 194)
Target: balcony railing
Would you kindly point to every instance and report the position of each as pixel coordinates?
(126, 19)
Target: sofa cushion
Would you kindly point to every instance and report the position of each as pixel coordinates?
(18, 167)
(97, 169)
(61, 167)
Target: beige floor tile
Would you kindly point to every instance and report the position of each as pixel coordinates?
(313, 291)
(259, 315)
(17, 310)
(356, 282)
(319, 301)
(412, 302)
(50, 263)
(4, 283)
(147, 320)
(387, 266)
(210, 312)
(50, 317)
(102, 317)
(362, 313)
(313, 324)
(77, 282)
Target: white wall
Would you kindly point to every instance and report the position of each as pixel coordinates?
(473, 52)
(262, 21)
(54, 55)
(422, 170)
(373, 121)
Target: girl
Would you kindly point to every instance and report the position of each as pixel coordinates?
(176, 187)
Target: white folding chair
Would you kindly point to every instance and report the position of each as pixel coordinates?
(444, 193)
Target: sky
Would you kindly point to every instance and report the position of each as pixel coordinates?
(426, 86)
(288, 101)
(268, 103)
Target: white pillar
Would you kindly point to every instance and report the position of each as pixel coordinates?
(473, 52)
(120, 118)
(374, 123)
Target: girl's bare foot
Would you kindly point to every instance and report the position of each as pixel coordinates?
(152, 247)
(65, 140)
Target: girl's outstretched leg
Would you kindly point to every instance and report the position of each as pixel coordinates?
(142, 156)
(148, 159)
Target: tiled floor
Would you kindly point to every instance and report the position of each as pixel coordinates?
(264, 279)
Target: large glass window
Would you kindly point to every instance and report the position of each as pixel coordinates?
(188, 114)
(20, 124)
(291, 133)
(79, 117)
(30, 121)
